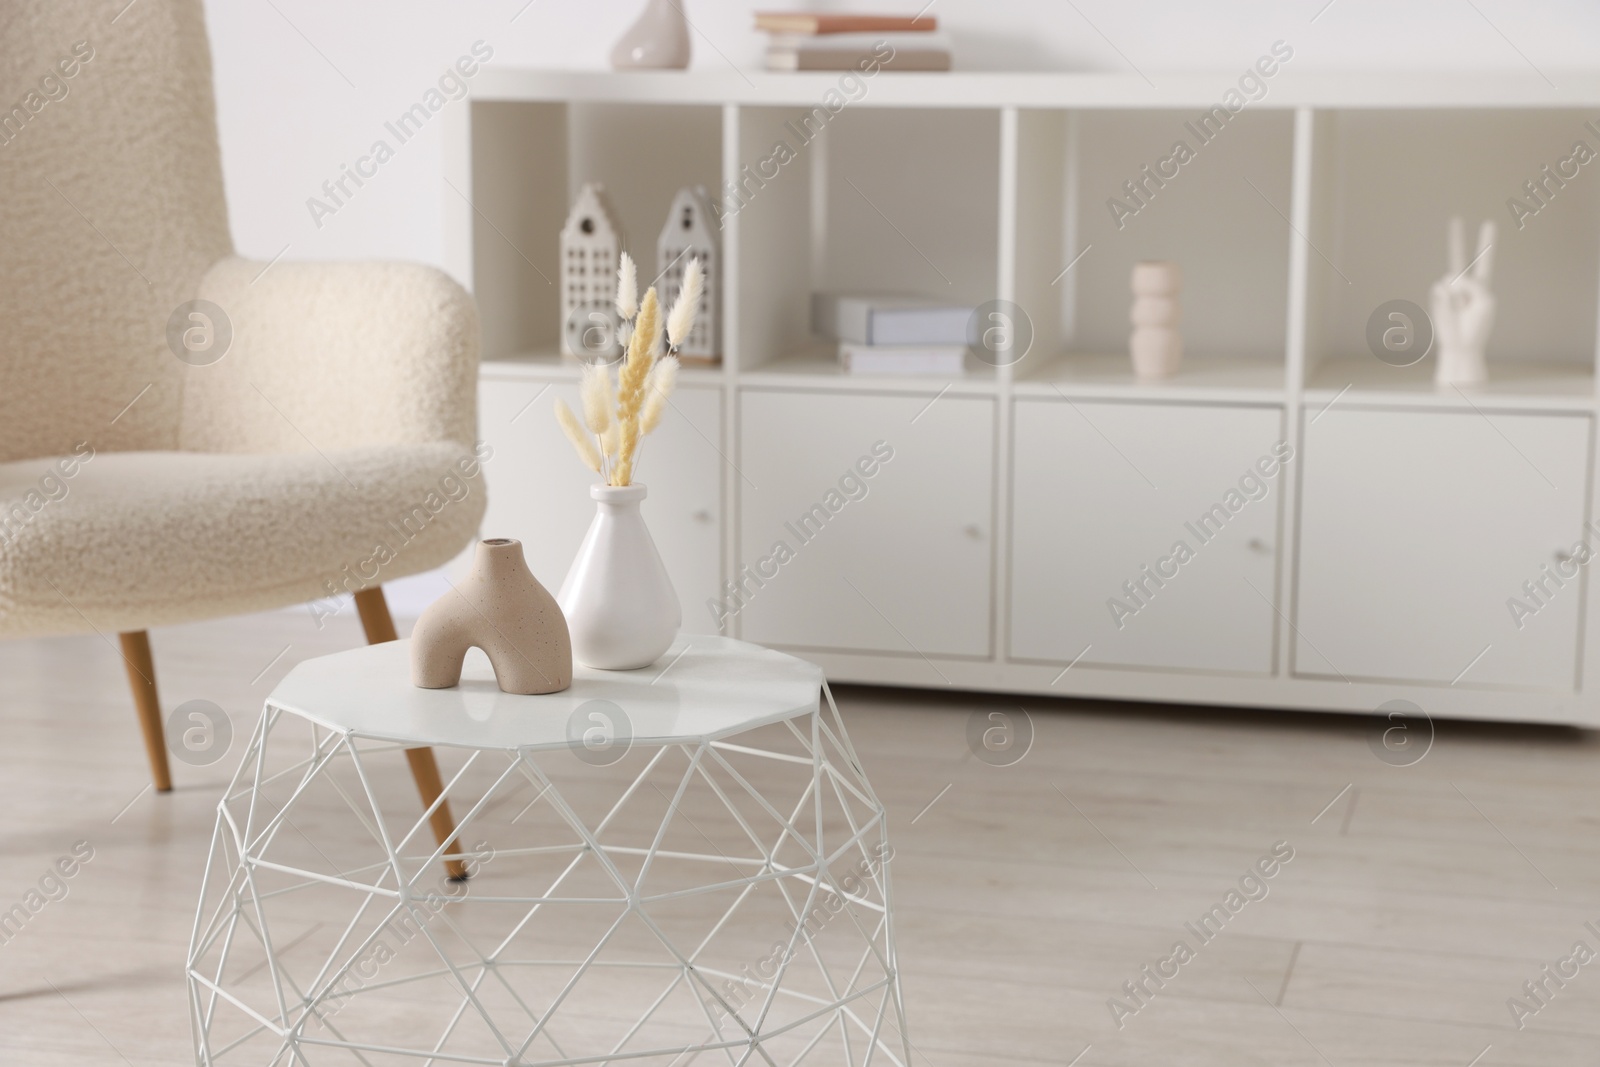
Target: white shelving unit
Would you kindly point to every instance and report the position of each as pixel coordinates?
(1379, 563)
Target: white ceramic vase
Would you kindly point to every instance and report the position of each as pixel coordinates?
(620, 605)
(657, 40)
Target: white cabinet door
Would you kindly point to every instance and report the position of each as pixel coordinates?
(865, 523)
(539, 492)
(1103, 496)
(1417, 530)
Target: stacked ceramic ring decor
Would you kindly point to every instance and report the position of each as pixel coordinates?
(1155, 344)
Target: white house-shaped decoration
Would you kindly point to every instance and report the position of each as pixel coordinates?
(589, 246)
(689, 234)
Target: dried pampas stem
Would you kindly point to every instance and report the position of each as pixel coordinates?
(580, 441)
(627, 288)
(658, 388)
(595, 392)
(681, 321)
(642, 348)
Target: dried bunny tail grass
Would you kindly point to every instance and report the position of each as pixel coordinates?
(611, 396)
(641, 355)
(642, 348)
(681, 321)
(611, 440)
(580, 441)
(627, 445)
(595, 392)
(657, 388)
(627, 287)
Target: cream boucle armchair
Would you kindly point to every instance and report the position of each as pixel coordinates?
(143, 480)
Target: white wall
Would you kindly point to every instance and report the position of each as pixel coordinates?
(304, 86)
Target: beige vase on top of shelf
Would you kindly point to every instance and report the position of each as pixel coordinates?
(657, 40)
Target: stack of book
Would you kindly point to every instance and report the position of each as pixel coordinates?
(894, 334)
(806, 40)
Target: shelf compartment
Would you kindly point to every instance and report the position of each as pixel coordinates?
(528, 162)
(1222, 216)
(869, 200)
(1384, 185)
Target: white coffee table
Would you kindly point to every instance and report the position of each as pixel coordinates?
(647, 885)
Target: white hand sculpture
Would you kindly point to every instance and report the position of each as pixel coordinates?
(1463, 309)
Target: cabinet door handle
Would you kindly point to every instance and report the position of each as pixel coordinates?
(1256, 544)
(703, 515)
(974, 531)
(1562, 555)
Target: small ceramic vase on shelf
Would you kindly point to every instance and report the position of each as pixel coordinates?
(501, 608)
(618, 600)
(657, 40)
(1155, 345)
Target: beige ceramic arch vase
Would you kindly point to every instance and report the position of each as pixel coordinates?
(501, 608)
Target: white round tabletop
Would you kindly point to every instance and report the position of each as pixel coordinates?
(702, 689)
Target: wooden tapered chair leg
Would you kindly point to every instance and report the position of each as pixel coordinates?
(142, 679)
(379, 627)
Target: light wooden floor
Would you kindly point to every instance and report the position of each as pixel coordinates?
(1419, 899)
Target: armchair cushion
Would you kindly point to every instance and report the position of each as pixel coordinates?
(334, 355)
(121, 541)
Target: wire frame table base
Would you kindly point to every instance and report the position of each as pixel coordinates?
(706, 902)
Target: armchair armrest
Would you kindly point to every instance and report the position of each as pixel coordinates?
(333, 355)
